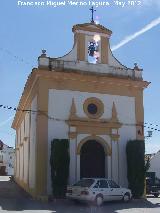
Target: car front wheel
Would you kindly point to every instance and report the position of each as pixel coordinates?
(126, 197)
(99, 200)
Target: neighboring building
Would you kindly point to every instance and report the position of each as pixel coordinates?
(6, 159)
(149, 156)
(155, 164)
(87, 96)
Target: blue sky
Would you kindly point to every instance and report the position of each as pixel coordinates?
(24, 31)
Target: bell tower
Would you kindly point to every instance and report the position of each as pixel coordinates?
(92, 42)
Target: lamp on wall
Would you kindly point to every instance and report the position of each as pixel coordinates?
(150, 133)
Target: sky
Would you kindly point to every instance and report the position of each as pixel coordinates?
(26, 30)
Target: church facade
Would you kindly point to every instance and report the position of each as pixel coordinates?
(86, 96)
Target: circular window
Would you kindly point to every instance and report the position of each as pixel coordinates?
(93, 107)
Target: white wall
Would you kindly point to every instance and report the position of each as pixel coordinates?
(18, 154)
(22, 131)
(126, 133)
(26, 160)
(113, 61)
(59, 107)
(21, 162)
(26, 155)
(18, 136)
(21, 150)
(32, 151)
(27, 124)
(26, 142)
(17, 164)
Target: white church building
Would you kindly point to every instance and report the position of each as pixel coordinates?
(86, 96)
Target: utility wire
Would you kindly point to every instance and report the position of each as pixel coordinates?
(8, 52)
(39, 112)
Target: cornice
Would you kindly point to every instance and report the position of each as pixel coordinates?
(91, 27)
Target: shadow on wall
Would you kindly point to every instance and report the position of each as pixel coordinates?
(13, 198)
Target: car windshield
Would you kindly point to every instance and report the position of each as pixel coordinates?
(84, 183)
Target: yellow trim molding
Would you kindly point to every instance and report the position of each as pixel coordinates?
(115, 137)
(89, 27)
(85, 125)
(72, 135)
(75, 81)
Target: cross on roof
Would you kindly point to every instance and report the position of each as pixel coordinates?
(92, 11)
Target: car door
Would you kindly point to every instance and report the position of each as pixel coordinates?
(116, 192)
(104, 186)
(101, 187)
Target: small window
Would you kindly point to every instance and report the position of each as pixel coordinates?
(84, 183)
(101, 184)
(113, 184)
(96, 185)
(92, 109)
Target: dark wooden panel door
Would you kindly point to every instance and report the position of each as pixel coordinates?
(92, 160)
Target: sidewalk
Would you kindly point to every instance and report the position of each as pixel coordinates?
(9, 189)
(13, 199)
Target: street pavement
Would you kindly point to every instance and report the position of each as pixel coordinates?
(14, 199)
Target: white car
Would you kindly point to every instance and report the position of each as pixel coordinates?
(97, 190)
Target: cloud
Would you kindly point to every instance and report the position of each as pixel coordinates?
(129, 38)
(6, 121)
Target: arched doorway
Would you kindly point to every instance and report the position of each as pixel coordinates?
(92, 160)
